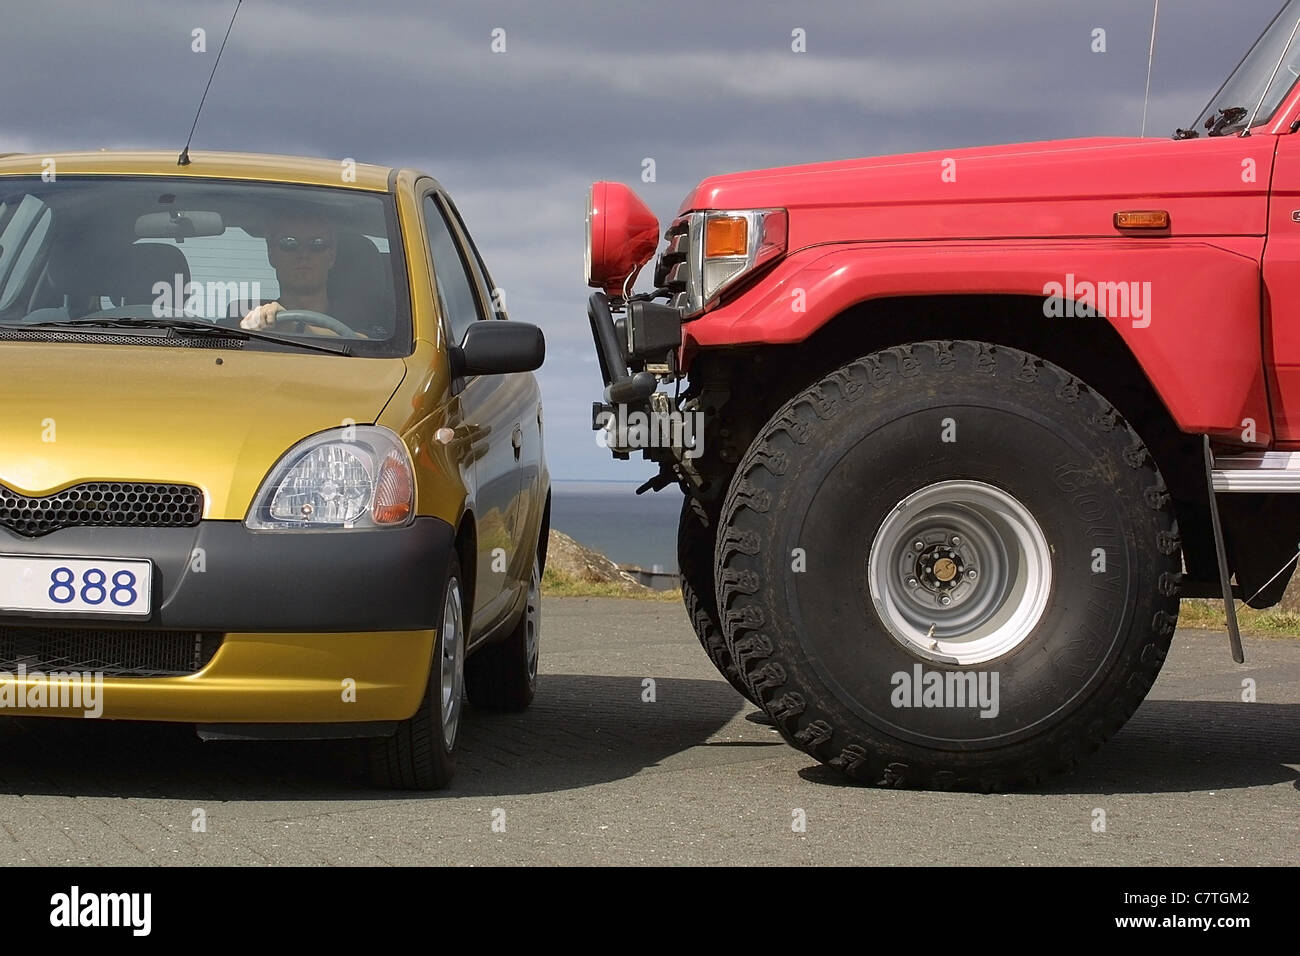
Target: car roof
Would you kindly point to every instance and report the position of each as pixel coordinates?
(260, 167)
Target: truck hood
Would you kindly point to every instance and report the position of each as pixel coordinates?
(1057, 188)
(218, 419)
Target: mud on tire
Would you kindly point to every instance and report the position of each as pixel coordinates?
(824, 609)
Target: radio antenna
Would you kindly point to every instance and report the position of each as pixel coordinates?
(184, 158)
(1151, 56)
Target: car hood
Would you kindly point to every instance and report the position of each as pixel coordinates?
(218, 419)
(1057, 188)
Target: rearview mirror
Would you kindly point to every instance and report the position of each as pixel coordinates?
(499, 346)
(178, 225)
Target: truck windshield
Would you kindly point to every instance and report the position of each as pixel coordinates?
(168, 250)
(1258, 82)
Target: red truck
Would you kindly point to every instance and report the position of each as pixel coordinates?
(957, 430)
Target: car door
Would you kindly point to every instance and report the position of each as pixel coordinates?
(485, 408)
(526, 396)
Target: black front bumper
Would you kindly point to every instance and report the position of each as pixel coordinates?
(221, 577)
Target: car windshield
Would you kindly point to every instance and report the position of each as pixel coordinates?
(1258, 85)
(102, 251)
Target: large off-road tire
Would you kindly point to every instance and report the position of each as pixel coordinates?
(503, 676)
(422, 754)
(695, 545)
(960, 471)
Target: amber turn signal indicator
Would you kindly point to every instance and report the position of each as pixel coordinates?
(1142, 219)
(726, 236)
(393, 492)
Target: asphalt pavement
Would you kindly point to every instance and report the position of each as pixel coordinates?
(606, 768)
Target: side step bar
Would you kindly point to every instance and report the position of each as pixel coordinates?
(1257, 471)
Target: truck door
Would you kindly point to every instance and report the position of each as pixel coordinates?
(1282, 291)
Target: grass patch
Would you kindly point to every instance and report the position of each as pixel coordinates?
(556, 583)
(1209, 614)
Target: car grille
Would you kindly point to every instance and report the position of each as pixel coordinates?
(115, 653)
(102, 504)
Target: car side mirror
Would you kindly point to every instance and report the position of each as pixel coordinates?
(496, 347)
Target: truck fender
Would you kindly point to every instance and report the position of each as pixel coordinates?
(1188, 310)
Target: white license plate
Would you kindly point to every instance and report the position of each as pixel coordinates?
(61, 585)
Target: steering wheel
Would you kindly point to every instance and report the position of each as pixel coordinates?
(316, 318)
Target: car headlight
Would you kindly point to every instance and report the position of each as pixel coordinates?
(727, 245)
(359, 476)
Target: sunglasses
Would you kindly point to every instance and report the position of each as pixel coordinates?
(293, 244)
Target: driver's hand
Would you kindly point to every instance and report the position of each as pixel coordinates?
(263, 317)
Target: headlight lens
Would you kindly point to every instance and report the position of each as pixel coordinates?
(727, 245)
(359, 476)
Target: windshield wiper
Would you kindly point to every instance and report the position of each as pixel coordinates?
(1224, 118)
(1216, 123)
(186, 326)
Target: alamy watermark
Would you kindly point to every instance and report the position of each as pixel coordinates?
(75, 908)
(1080, 299)
(211, 299)
(948, 689)
(633, 431)
(62, 690)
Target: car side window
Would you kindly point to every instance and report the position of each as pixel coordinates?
(455, 288)
(493, 296)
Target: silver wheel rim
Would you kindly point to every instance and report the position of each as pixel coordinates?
(960, 572)
(533, 623)
(451, 663)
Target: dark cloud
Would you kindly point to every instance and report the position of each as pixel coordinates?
(588, 90)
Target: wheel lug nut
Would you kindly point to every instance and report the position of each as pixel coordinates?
(972, 574)
(945, 600)
(956, 540)
(918, 545)
(911, 582)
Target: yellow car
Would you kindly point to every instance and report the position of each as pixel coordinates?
(270, 454)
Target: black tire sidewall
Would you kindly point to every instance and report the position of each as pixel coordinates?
(834, 588)
(696, 545)
(1021, 426)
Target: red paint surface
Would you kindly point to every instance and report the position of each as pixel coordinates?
(624, 233)
(1221, 343)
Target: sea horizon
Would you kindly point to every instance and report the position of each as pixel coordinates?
(608, 516)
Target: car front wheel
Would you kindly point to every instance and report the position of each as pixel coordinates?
(503, 676)
(421, 755)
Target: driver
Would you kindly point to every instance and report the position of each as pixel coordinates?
(301, 248)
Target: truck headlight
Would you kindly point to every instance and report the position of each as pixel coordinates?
(359, 476)
(727, 245)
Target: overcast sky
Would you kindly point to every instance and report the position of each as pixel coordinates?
(587, 91)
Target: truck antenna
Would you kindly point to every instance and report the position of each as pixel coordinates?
(1151, 56)
(184, 158)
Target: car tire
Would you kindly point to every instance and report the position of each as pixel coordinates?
(1027, 502)
(695, 545)
(421, 755)
(503, 676)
